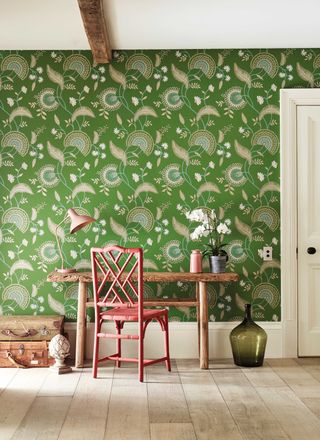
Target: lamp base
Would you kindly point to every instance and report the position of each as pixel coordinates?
(68, 270)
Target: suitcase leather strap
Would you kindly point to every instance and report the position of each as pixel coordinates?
(26, 334)
(14, 361)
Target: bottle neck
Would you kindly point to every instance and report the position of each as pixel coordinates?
(248, 312)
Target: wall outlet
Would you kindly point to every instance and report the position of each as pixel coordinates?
(267, 253)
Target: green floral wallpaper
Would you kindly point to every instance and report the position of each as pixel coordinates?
(136, 144)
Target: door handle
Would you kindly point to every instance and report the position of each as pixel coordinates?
(311, 250)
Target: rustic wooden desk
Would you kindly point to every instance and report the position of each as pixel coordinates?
(200, 302)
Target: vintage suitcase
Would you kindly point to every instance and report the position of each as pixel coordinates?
(24, 354)
(30, 328)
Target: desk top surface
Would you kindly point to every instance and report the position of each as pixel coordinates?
(86, 277)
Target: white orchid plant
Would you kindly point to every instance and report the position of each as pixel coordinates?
(210, 226)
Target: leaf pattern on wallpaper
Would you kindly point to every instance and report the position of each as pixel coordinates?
(21, 265)
(118, 153)
(20, 111)
(144, 111)
(82, 187)
(270, 264)
(55, 77)
(209, 186)
(52, 226)
(180, 76)
(180, 228)
(269, 110)
(118, 229)
(305, 74)
(20, 188)
(145, 187)
(242, 75)
(180, 152)
(243, 228)
(82, 111)
(149, 264)
(243, 152)
(56, 305)
(240, 302)
(270, 186)
(207, 110)
(136, 144)
(56, 153)
(117, 76)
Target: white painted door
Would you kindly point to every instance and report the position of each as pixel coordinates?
(308, 169)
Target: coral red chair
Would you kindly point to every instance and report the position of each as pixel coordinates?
(118, 286)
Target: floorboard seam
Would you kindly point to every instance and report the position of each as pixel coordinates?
(186, 400)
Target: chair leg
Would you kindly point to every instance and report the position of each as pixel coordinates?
(141, 359)
(96, 352)
(166, 342)
(119, 326)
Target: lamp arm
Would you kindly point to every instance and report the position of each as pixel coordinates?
(58, 240)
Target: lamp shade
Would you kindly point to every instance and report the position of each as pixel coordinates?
(78, 221)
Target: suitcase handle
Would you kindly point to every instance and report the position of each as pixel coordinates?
(26, 334)
(14, 361)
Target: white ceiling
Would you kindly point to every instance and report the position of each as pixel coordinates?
(165, 24)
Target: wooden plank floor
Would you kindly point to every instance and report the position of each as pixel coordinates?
(278, 401)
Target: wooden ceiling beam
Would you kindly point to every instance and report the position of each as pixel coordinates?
(96, 29)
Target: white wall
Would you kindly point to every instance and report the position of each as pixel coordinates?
(154, 24)
(41, 24)
(215, 24)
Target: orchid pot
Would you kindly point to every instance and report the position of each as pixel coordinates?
(217, 263)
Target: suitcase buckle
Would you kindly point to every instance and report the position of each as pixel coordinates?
(44, 331)
(21, 349)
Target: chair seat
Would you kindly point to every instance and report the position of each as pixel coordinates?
(131, 314)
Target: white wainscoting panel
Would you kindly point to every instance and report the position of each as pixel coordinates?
(183, 340)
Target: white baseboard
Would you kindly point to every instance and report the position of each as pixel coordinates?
(183, 340)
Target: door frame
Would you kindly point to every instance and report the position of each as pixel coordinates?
(290, 99)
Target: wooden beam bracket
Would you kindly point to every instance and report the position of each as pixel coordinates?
(95, 26)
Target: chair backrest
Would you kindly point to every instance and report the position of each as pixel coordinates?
(117, 276)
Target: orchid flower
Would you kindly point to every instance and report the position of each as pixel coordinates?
(209, 227)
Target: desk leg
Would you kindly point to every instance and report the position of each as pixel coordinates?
(198, 316)
(204, 339)
(81, 324)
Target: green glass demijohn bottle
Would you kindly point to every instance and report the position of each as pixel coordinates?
(248, 342)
